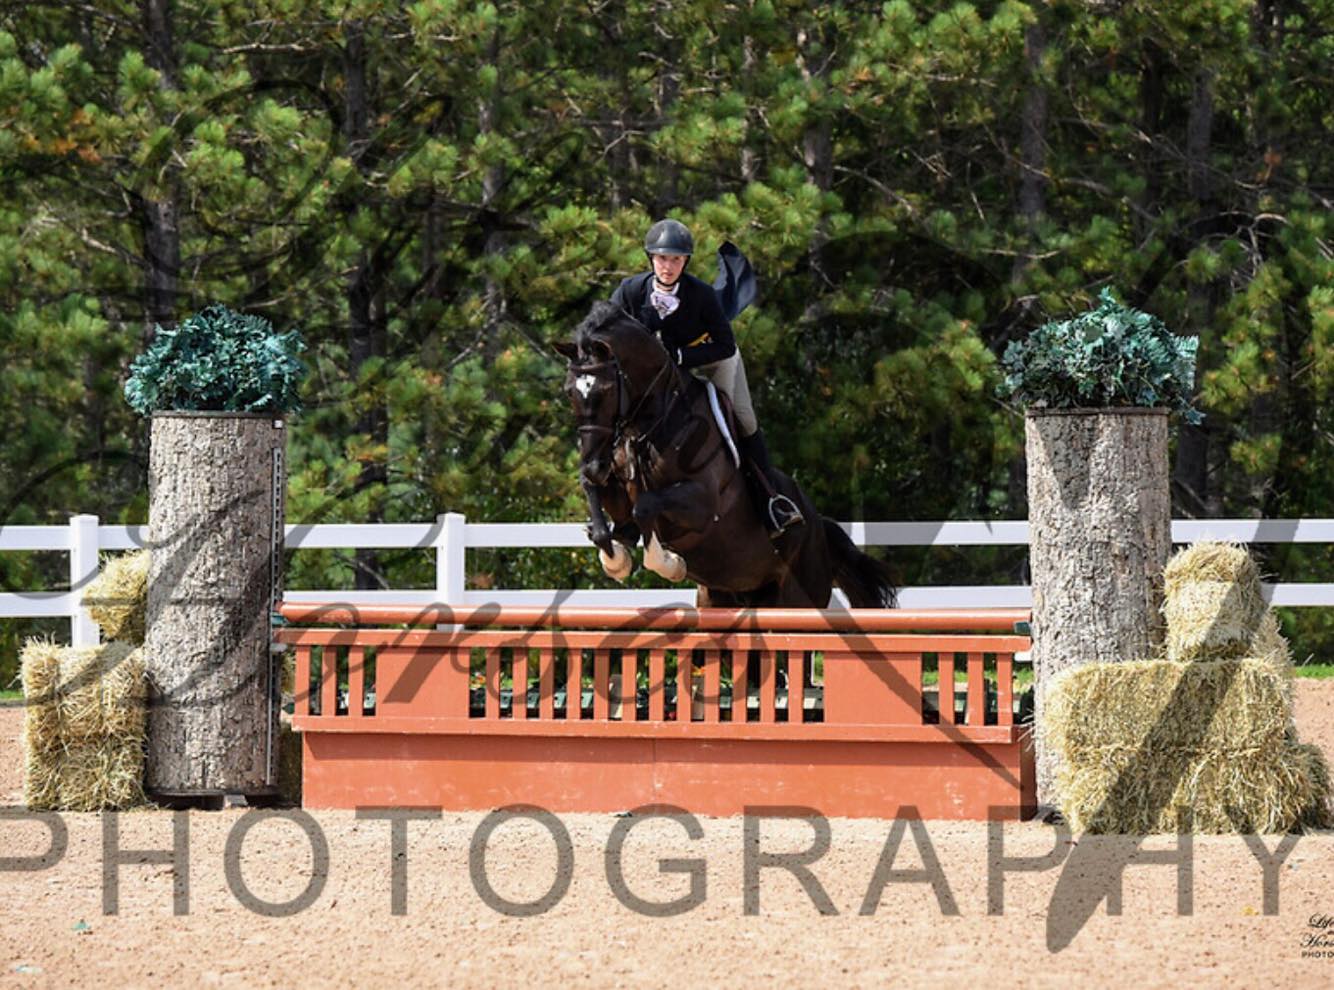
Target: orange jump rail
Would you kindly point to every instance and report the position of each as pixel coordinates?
(848, 713)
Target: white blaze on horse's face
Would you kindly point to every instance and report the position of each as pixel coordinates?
(584, 385)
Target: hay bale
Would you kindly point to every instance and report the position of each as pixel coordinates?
(1157, 705)
(39, 667)
(85, 725)
(102, 694)
(1319, 813)
(1218, 792)
(41, 778)
(1268, 644)
(1211, 601)
(118, 598)
(103, 775)
(1201, 741)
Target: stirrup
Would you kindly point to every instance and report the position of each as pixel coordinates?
(784, 514)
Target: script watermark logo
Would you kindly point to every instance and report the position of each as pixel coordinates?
(1318, 939)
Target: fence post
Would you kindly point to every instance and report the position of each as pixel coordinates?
(83, 567)
(451, 559)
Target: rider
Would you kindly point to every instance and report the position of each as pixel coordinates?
(685, 314)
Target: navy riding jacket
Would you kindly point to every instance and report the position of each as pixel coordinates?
(696, 333)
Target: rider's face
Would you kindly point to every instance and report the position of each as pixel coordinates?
(667, 268)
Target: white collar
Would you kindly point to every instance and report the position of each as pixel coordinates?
(657, 287)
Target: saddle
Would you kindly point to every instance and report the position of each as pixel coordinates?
(724, 416)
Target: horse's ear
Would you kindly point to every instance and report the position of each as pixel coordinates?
(600, 347)
(566, 349)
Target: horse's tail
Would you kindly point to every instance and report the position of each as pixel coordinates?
(868, 583)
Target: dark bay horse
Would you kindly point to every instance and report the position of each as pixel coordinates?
(655, 464)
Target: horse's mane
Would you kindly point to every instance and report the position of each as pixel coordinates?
(608, 323)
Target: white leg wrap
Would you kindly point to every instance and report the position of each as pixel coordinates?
(620, 564)
(660, 560)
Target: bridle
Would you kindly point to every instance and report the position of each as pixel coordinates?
(624, 413)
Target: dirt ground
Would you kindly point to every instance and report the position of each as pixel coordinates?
(1053, 929)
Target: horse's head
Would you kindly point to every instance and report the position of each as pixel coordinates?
(613, 361)
(593, 384)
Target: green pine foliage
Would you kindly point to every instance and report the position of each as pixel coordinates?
(220, 361)
(1110, 356)
(435, 192)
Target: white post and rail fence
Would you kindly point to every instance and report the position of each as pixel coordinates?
(451, 536)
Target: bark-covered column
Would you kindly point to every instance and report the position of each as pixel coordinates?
(216, 510)
(1100, 531)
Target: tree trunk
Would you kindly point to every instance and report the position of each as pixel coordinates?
(1033, 131)
(1191, 470)
(157, 206)
(366, 331)
(493, 182)
(216, 495)
(1100, 532)
(1032, 199)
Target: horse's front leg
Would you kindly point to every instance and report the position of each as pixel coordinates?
(615, 536)
(599, 530)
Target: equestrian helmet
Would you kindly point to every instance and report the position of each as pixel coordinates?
(669, 237)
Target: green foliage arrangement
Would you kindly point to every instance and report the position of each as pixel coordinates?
(1113, 355)
(218, 360)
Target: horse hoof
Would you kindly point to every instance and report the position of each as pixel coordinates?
(619, 564)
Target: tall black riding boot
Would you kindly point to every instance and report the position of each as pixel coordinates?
(778, 511)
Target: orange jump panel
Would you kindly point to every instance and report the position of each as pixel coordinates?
(941, 780)
(850, 714)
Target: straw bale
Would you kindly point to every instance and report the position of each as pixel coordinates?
(102, 693)
(1159, 705)
(1320, 812)
(84, 726)
(41, 777)
(118, 598)
(1211, 601)
(39, 663)
(1268, 643)
(107, 774)
(1261, 790)
(1212, 560)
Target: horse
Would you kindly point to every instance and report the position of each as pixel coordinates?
(655, 464)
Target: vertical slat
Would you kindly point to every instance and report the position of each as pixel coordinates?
(1005, 689)
(546, 683)
(685, 674)
(519, 683)
(356, 680)
(329, 681)
(977, 690)
(302, 686)
(713, 661)
(492, 682)
(629, 710)
(767, 686)
(657, 688)
(601, 675)
(945, 691)
(739, 658)
(574, 685)
(783, 671)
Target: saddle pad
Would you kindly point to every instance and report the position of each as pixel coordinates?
(721, 420)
